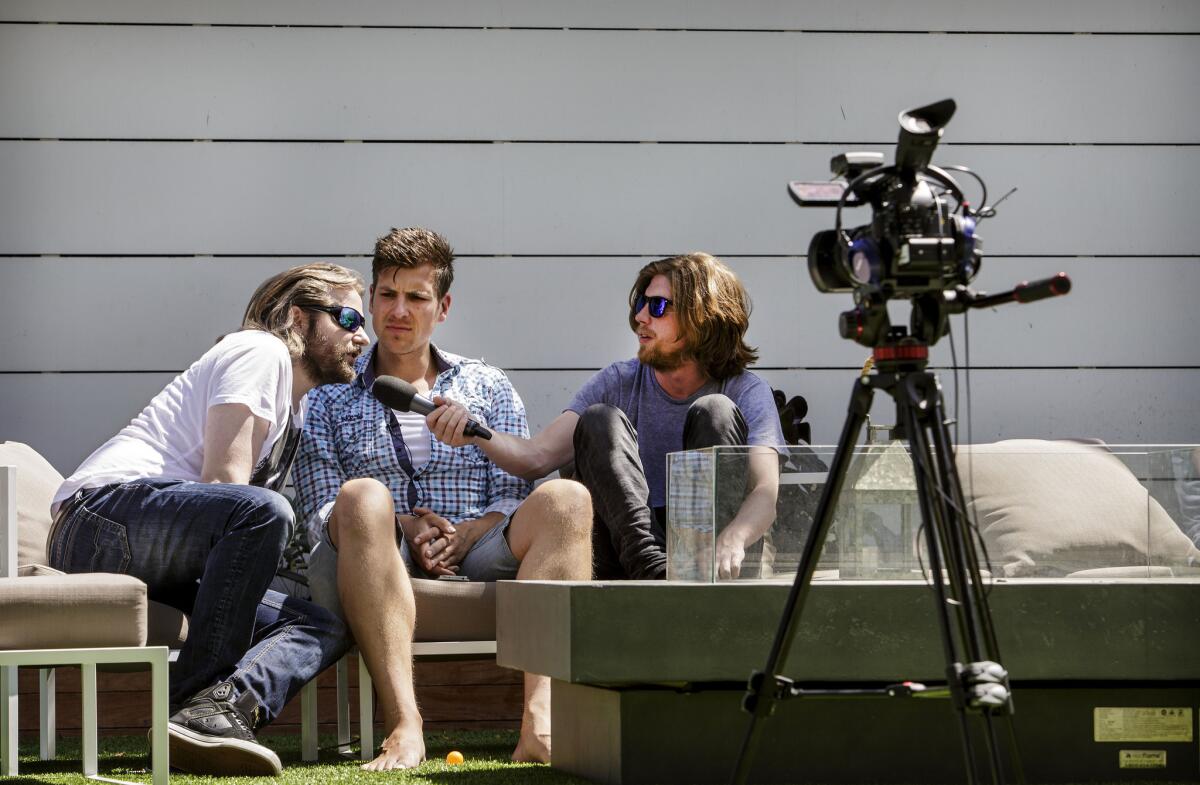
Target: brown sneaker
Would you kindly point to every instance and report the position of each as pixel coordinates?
(213, 733)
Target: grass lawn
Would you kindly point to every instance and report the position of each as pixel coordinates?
(486, 754)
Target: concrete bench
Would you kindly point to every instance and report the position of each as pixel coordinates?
(648, 677)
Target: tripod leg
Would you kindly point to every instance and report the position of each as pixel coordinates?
(968, 631)
(977, 614)
(963, 541)
(761, 692)
(908, 411)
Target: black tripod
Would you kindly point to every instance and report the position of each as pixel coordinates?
(976, 682)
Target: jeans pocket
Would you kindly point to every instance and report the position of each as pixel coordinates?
(100, 545)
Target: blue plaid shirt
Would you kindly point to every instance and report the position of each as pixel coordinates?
(348, 433)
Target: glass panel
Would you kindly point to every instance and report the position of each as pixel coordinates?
(1044, 509)
(690, 522)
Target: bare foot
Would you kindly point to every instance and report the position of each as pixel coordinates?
(534, 744)
(532, 747)
(404, 748)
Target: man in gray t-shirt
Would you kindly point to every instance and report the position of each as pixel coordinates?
(688, 388)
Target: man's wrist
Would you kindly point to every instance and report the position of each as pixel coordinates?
(474, 528)
(405, 522)
(736, 531)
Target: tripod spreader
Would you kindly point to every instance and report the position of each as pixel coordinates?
(984, 687)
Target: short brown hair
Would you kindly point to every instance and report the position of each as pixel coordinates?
(270, 307)
(413, 247)
(711, 306)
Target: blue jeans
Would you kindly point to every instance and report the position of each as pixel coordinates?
(210, 550)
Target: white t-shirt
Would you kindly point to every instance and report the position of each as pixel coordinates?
(250, 367)
(415, 429)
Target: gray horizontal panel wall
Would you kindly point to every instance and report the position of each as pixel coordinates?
(1095, 131)
(523, 199)
(515, 313)
(871, 15)
(306, 83)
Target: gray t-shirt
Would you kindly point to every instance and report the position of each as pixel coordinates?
(631, 387)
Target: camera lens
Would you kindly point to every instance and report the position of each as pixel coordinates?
(825, 263)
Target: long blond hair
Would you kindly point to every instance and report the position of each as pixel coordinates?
(270, 307)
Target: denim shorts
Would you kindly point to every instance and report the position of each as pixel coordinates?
(490, 559)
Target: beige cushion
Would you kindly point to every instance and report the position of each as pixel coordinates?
(37, 482)
(44, 610)
(1053, 508)
(165, 625)
(455, 610)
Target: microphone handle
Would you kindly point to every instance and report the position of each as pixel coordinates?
(422, 405)
(475, 429)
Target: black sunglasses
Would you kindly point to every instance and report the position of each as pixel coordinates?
(346, 317)
(658, 305)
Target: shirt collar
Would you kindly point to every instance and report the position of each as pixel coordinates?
(365, 364)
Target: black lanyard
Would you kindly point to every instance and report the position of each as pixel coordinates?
(404, 457)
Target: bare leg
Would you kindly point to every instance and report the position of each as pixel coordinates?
(551, 535)
(377, 597)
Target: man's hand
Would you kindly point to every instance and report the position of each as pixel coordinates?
(448, 545)
(731, 550)
(421, 528)
(448, 422)
(755, 515)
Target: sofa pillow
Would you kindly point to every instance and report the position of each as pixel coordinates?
(37, 482)
(1049, 508)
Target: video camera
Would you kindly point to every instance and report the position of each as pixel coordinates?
(917, 242)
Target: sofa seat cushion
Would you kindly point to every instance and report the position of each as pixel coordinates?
(455, 610)
(55, 611)
(1053, 508)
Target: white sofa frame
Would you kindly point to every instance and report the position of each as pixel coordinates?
(85, 658)
(157, 658)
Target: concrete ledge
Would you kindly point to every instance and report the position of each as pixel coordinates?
(639, 632)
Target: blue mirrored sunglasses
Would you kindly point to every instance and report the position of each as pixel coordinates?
(346, 317)
(658, 305)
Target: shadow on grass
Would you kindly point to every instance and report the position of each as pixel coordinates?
(487, 760)
(486, 753)
(119, 757)
(513, 773)
(485, 745)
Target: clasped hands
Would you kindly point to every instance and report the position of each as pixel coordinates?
(438, 546)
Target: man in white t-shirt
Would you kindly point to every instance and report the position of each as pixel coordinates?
(186, 498)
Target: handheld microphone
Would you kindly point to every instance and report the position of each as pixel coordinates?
(400, 395)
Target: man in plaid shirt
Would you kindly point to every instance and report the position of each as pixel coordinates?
(366, 473)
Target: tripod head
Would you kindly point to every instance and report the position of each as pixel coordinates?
(918, 246)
